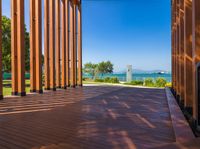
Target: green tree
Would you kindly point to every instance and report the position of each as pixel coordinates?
(90, 68)
(105, 67)
(6, 45)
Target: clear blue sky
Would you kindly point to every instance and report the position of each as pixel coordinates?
(125, 32)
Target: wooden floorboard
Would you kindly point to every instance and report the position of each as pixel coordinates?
(86, 118)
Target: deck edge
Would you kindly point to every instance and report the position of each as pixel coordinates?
(182, 130)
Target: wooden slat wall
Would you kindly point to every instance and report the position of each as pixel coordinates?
(186, 52)
(62, 45)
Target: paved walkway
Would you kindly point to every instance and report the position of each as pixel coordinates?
(87, 118)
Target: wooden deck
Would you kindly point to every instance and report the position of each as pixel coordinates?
(87, 118)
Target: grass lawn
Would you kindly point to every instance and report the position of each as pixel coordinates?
(7, 89)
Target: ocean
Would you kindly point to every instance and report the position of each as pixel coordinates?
(136, 76)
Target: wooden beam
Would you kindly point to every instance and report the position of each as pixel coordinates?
(181, 50)
(63, 42)
(1, 83)
(80, 47)
(21, 48)
(75, 44)
(46, 45)
(196, 51)
(188, 59)
(177, 48)
(72, 45)
(67, 39)
(58, 85)
(52, 44)
(32, 47)
(38, 45)
(14, 47)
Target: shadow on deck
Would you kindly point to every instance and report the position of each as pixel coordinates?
(87, 118)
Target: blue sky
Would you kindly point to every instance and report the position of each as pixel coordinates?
(135, 32)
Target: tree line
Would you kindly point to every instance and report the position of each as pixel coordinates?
(96, 69)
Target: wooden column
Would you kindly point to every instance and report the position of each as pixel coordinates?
(67, 39)
(58, 84)
(80, 46)
(181, 50)
(188, 59)
(63, 43)
(32, 47)
(196, 50)
(72, 45)
(177, 48)
(21, 48)
(75, 44)
(38, 45)
(46, 45)
(1, 83)
(175, 45)
(52, 44)
(14, 47)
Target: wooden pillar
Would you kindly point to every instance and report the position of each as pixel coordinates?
(63, 43)
(1, 83)
(52, 44)
(14, 47)
(32, 47)
(79, 46)
(72, 45)
(175, 45)
(46, 45)
(67, 39)
(58, 84)
(21, 48)
(196, 50)
(181, 50)
(35, 46)
(38, 44)
(177, 48)
(75, 44)
(188, 59)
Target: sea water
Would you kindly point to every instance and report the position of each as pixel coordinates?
(136, 76)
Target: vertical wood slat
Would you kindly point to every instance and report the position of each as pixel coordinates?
(14, 47)
(177, 48)
(196, 51)
(46, 45)
(57, 24)
(1, 83)
(72, 46)
(67, 39)
(52, 44)
(63, 42)
(38, 45)
(21, 48)
(75, 44)
(181, 42)
(188, 54)
(80, 46)
(32, 47)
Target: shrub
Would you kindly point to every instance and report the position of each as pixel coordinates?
(169, 84)
(107, 80)
(136, 82)
(98, 80)
(149, 82)
(161, 82)
(114, 80)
